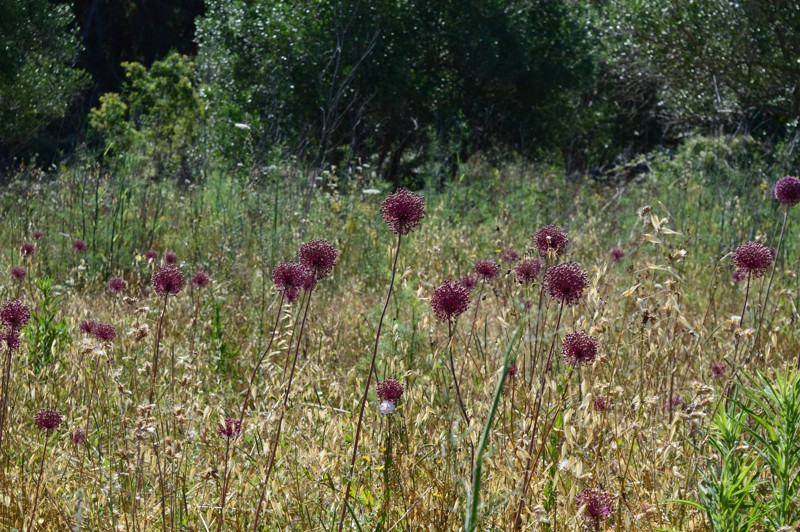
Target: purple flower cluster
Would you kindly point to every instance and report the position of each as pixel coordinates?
(752, 258)
(469, 281)
(579, 348)
(787, 190)
(550, 238)
(487, 269)
(390, 390)
(403, 211)
(319, 256)
(600, 403)
(117, 285)
(230, 429)
(616, 254)
(597, 503)
(510, 256)
(78, 436)
(27, 249)
(167, 281)
(170, 258)
(200, 279)
(48, 420)
(150, 255)
(527, 270)
(718, 369)
(78, 245)
(37, 235)
(450, 300)
(19, 273)
(290, 277)
(11, 339)
(14, 314)
(105, 332)
(566, 282)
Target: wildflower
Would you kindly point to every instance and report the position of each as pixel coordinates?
(600, 403)
(487, 269)
(617, 254)
(675, 402)
(87, 326)
(14, 314)
(78, 245)
(579, 348)
(787, 190)
(117, 285)
(78, 436)
(510, 256)
(718, 369)
(48, 420)
(167, 281)
(104, 332)
(512, 371)
(550, 238)
(11, 339)
(27, 249)
(19, 273)
(527, 270)
(390, 390)
(230, 429)
(469, 281)
(403, 211)
(200, 279)
(739, 275)
(566, 282)
(170, 257)
(319, 256)
(753, 258)
(387, 407)
(37, 235)
(598, 505)
(150, 255)
(449, 300)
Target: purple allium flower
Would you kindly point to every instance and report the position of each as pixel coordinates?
(11, 339)
(291, 294)
(598, 504)
(27, 249)
(167, 281)
(150, 255)
(87, 326)
(403, 211)
(566, 282)
(47, 419)
(390, 390)
(753, 258)
(616, 254)
(117, 285)
(19, 273)
(387, 407)
(37, 235)
(78, 436)
(579, 348)
(104, 332)
(510, 256)
(469, 281)
(319, 256)
(449, 300)
(718, 369)
(600, 403)
(200, 279)
(739, 275)
(230, 429)
(675, 402)
(15, 314)
(787, 190)
(78, 245)
(170, 257)
(527, 270)
(550, 238)
(512, 371)
(487, 269)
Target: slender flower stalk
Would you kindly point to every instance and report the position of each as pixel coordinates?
(47, 421)
(769, 283)
(14, 315)
(230, 429)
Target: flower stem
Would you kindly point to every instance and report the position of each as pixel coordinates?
(39, 481)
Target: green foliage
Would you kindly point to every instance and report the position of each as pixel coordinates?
(46, 332)
(38, 80)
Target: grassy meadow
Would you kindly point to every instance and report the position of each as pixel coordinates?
(683, 420)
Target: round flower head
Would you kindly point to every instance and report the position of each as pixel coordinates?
(78, 436)
(291, 294)
(718, 369)
(104, 332)
(449, 300)
(550, 238)
(387, 407)
(47, 419)
(78, 245)
(469, 281)
(19, 273)
(598, 504)
(167, 281)
(675, 402)
(510, 256)
(37, 235)
(487, 269)
(527, 270)
(616, 254)
(390, 390)
(600, 403)
(87, 326)
(739, 275)
(579, 348)
(787, 190)
(11, 339)
(513, 371)
(566, 282)
(403, 211)
(319, 256)
(27, 249)
(200, 279)
(117, 285)
(170, 257)
(752, 258)
(150, 255)
(14, 314)
(230, 429)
